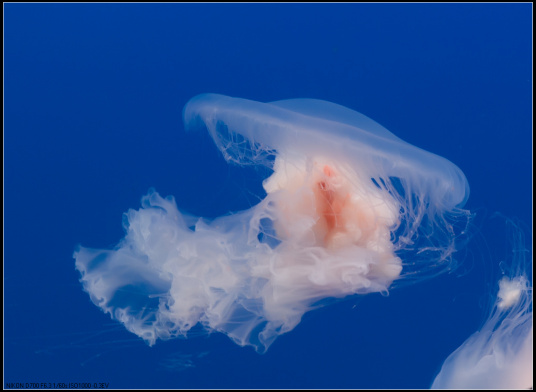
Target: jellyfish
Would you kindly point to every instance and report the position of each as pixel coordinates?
(499, 355)
(349, 208)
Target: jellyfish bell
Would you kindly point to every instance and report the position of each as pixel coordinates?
(246, 132)
(349, 209)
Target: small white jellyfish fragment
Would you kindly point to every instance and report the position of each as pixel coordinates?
(349, 208)
(499, 355)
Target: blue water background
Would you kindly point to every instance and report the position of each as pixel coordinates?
(93, 101)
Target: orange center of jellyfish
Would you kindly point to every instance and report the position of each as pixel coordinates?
(330, 205)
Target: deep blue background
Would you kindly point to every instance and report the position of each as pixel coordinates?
(93, 100)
